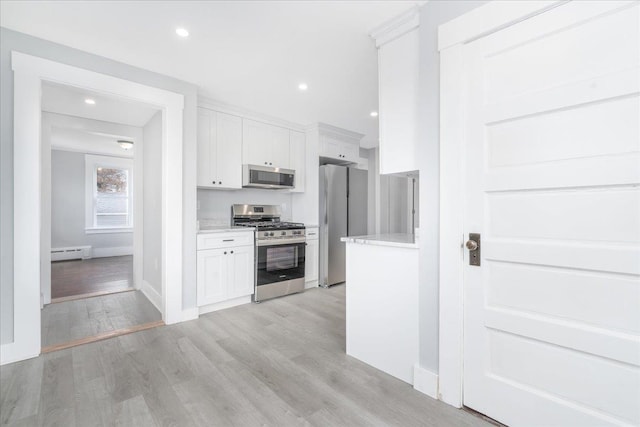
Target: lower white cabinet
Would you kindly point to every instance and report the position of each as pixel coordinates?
(311, 258)
(224, 273)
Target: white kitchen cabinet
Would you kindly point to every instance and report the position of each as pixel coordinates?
(398, 71)
(265, 145)
(224, 271)
(311, 261)
(338, 144)
(219, 150)
(297, 141)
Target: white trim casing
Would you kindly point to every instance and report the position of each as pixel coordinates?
(152, 295)
(29, 73)
(425, 382)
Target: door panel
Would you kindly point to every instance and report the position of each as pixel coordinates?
(551, 327)
(280, 148)
(212, 276)
(229, 150)
(241, 271)
(205, 146)
(256, 143)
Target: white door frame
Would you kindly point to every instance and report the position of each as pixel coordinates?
(29, 73)
(452, 37)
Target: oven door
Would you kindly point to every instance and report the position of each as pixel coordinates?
(279, 261)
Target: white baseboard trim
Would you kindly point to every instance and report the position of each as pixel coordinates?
(311, 284)
(425, 381)
(152, 295)
(224, 304)
(10, 353)
(117, 251)
(190, 314)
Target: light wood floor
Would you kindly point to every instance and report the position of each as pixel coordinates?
(71, 320)
(279, 363)
(79, 277)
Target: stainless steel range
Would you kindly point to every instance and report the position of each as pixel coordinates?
(280, 250)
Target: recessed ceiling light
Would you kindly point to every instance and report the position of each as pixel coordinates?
(127, 145)
(303, 86)
(182, 32)
(374, 114)
(90, 101)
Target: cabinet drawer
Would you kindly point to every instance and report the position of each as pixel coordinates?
(224, 240)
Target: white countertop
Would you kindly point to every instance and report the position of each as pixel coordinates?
(223, 229)
(398, 240)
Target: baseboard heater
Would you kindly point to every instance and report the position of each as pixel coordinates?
(73, 252)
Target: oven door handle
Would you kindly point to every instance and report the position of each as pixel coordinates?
(275, 242)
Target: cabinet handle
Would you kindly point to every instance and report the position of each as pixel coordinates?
(225, 252)
(219, 182)
(270, 163)
(213, 182)
(266, 163)
(231, 251)
(228, 240)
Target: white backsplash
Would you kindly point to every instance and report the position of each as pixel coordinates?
(214, 206)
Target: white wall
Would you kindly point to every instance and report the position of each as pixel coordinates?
(432, 14)
(68, 207)
(11, 40)
(216, 204)
(152, 203)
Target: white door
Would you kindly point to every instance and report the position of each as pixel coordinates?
(212, 276)
(241, 271)
(552, 315)
(280, 148)
(256, 143)
(229, 150)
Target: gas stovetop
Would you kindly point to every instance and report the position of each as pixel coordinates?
(272, 225)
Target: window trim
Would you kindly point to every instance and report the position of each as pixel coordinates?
(92, 162)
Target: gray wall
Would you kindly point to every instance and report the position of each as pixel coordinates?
(152, 202)
(432, 14)
(68, 206)
(11, 40)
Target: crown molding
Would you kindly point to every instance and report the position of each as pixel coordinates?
(212, 104)
(325, 129)
(398, 26)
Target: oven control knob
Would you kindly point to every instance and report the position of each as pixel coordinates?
(284, 233)
(271, 234)
(266, 234)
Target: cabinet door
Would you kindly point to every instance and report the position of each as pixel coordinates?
(351, 152)
(311, 261)
(212, 276)
(228, 158)
(241, 271)
(398, 86)
(279, 156)
(206, 147)
(297, 141)
(256, 143)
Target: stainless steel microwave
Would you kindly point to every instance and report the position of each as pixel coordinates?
(267, 177)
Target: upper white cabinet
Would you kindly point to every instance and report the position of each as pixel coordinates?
(338, 144)
(265, 145)
(398, 70)
(297, 146)
(219, 150)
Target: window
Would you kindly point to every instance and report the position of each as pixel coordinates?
(109, 194)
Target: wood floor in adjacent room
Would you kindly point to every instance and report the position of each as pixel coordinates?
(72, 320)
(79, 277)
(278, 363)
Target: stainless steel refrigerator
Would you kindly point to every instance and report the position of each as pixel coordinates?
(343, 212)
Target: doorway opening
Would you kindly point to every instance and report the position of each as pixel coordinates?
(101, 164)
(30, 72)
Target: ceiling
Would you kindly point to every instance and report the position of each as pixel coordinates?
(70, 101)
(251, 54)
